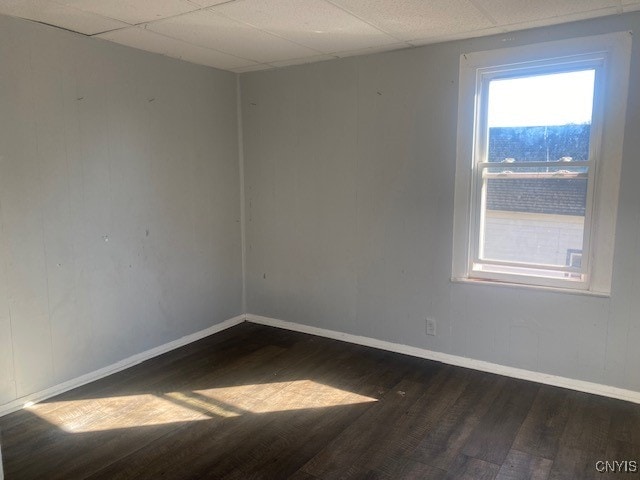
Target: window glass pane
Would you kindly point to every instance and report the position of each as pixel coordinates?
(536, 215)
(540, 118)
(533, 216)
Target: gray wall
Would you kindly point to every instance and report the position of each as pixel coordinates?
(119, 204)
(349, 189)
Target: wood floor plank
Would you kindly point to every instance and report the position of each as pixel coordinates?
(541, 430)
(522, 466)
(588, 424)
(468, 468)
(391, 428)
(364, 437)
(300, 475)
(491, 440)
(443, 444)
(571, 463)
(408, 469)
(625, 423)
(585, 438)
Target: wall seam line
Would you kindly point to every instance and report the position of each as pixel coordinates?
(243, 241)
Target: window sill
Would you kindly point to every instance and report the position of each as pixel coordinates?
(570, 291)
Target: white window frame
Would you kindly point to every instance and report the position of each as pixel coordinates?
(609, 55)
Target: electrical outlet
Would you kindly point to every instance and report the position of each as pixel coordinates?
(431, 326)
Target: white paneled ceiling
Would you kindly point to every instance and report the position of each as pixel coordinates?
(133, 11)
(412, 19)
(210, 29)
(249, 35)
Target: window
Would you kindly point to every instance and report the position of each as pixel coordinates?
(540, 132)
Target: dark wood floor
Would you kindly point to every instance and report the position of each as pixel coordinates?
(259, 402)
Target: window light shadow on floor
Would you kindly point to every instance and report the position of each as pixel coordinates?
(117, 412)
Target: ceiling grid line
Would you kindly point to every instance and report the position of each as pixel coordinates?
(484, 12)
(62, 4)
(143, 27)
(362, 19)
(211, 9)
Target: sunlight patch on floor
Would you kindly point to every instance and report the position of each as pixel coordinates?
(160, 408)
(284, 396)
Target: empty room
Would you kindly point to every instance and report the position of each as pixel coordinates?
(320, 239)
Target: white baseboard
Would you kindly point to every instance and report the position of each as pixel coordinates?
(116, 367)
(554, 380)
(572, 384)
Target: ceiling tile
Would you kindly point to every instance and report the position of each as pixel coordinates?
(507, 12)
(142, 39)
(136, 11)
(211, 30)
(313, 23)
(408, 19)
(59, 15)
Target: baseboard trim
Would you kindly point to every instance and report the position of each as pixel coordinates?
(547, 379)
(117, 367)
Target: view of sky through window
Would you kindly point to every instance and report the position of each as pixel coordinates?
(550, 99)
